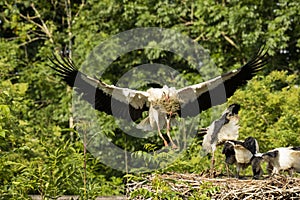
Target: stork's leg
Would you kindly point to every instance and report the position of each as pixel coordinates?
(162, 137)
(238, 168)
(212, 164)
(227, 170)
(290, 171)
(168, 134)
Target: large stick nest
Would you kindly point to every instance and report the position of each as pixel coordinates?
(185, 185)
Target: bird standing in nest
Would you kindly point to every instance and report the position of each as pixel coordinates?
(223, 129)
(163, 103)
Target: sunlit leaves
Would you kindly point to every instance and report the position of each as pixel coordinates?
(270, 110)
(37, 152)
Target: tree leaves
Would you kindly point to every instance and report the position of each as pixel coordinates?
(269, 110)
(37, 152)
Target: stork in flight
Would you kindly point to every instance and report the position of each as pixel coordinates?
(162, 103)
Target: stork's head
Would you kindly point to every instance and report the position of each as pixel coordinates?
(159, 93)
(229, 152)
(231, 112)
(169, 92)
(233, 109)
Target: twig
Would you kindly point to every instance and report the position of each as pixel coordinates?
(42, 26)
(185, 184)
(79, 9)
(230, 40)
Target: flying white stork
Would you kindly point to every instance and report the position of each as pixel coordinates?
(162, 103)
(219, 131)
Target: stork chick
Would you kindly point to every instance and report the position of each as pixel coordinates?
(243, 154)
(281, 159)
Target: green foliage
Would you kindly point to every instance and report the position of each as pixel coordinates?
(41, 154)
(269, 110)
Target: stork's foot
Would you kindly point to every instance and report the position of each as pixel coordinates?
(174, 146)
(237, 176)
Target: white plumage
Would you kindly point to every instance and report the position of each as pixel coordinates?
(228, 131)
(223, 129)
(164, 103)
(243, 154)
(283, 158)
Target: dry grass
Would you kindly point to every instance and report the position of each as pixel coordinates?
(185, 185)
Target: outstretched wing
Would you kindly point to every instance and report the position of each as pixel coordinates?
(200, 97)
(123, 103)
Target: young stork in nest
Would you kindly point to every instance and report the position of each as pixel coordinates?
(223, 129)
(164, 103)
(243, 154)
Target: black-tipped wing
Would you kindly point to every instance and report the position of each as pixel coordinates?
(122, 103)
(202, 96)
(129, 104)
(251, 144)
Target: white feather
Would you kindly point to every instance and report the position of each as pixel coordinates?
(287, 158)
(229, 131)
(242, 155)
(135, 98)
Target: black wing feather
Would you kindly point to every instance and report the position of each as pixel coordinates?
(296, 148)
(250, 143)
(215, 96)
(99, 100)
(218, 124)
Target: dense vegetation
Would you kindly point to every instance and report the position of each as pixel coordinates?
(40, 149)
